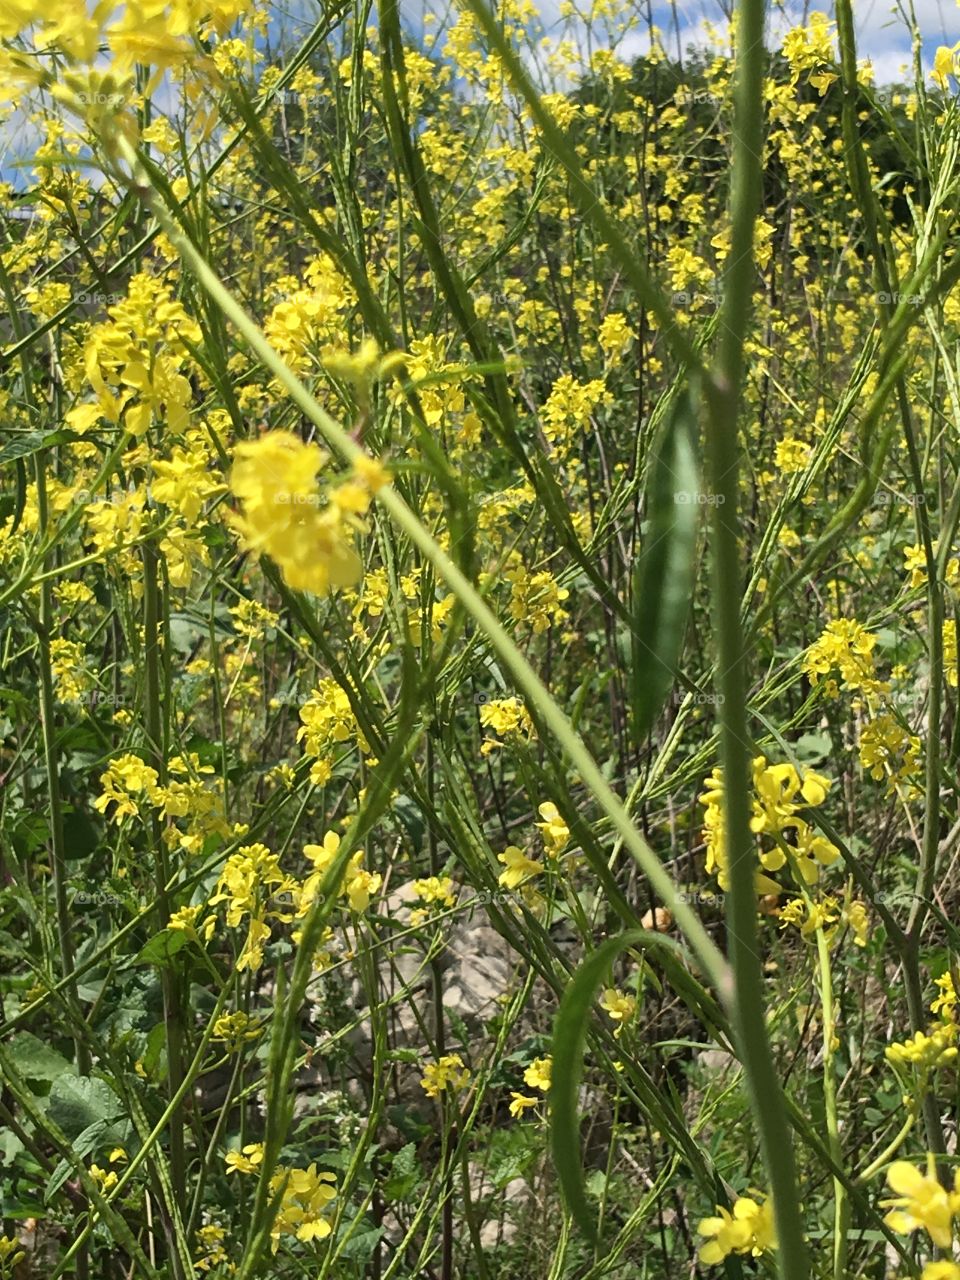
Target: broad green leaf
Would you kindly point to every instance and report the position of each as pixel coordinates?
(36, 1060)
(77, 1102)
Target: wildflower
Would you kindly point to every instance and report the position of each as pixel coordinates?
(615, 335)
(519, 867)
(940, 1271)
(950, 652)
(618, 1004)
(538, 1074)
(508, 718)
(780, 792)
(246, 1161)
(436, 890)
(946, 1002)
(536, 599)
(359, 884)
(944, 65)
(234, 1029)
(808, 919)
(284, 514)
(11, 1253)
(915, 562)
(185, 920)
(887, 748)
(926, 1052)
(448, 1073)
(327, 720)
(105, 1179)
(748, 1230)
(921, 1202)
(126, 777)
(210, 1240)
(569, 407)
(306, 1196)
(791, 455)
(555, 831)
(847, 647)
(519, 1103)
(855, 916)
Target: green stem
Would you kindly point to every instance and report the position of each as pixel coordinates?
(841, 1207)
(723, 394)
(172, 1004)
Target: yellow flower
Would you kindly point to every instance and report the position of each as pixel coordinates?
(940, 1271)
(436, 889)
(246, 1161)
(448, 1073)
(538, 1074)
(518, 867)
(306, 1195)
(926, 1051)
(104, 1179)
(921, 1202)
(11, 1252)
(285, 515)
(618, 1004)
(555, 831)
(519, 1103)
(946, 1001)
(749, 1230)
(943, 66)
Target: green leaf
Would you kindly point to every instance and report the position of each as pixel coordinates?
(161, 947)
(36, 1060)
(78, 1102)
(569, 1040)
(32, 442)
(663, 577)
(404, 1174)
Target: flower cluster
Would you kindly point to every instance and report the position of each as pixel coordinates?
(448, 1072)
(779, 795)
(748, 1231)
(309, 533)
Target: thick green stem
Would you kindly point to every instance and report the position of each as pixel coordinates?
(52, 766)
(723, 405)
(172, 1002)
(841, 1205)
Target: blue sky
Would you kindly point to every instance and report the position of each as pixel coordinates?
(881, 29)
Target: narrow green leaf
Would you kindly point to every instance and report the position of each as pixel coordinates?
(569, 1040)
(664, 574)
